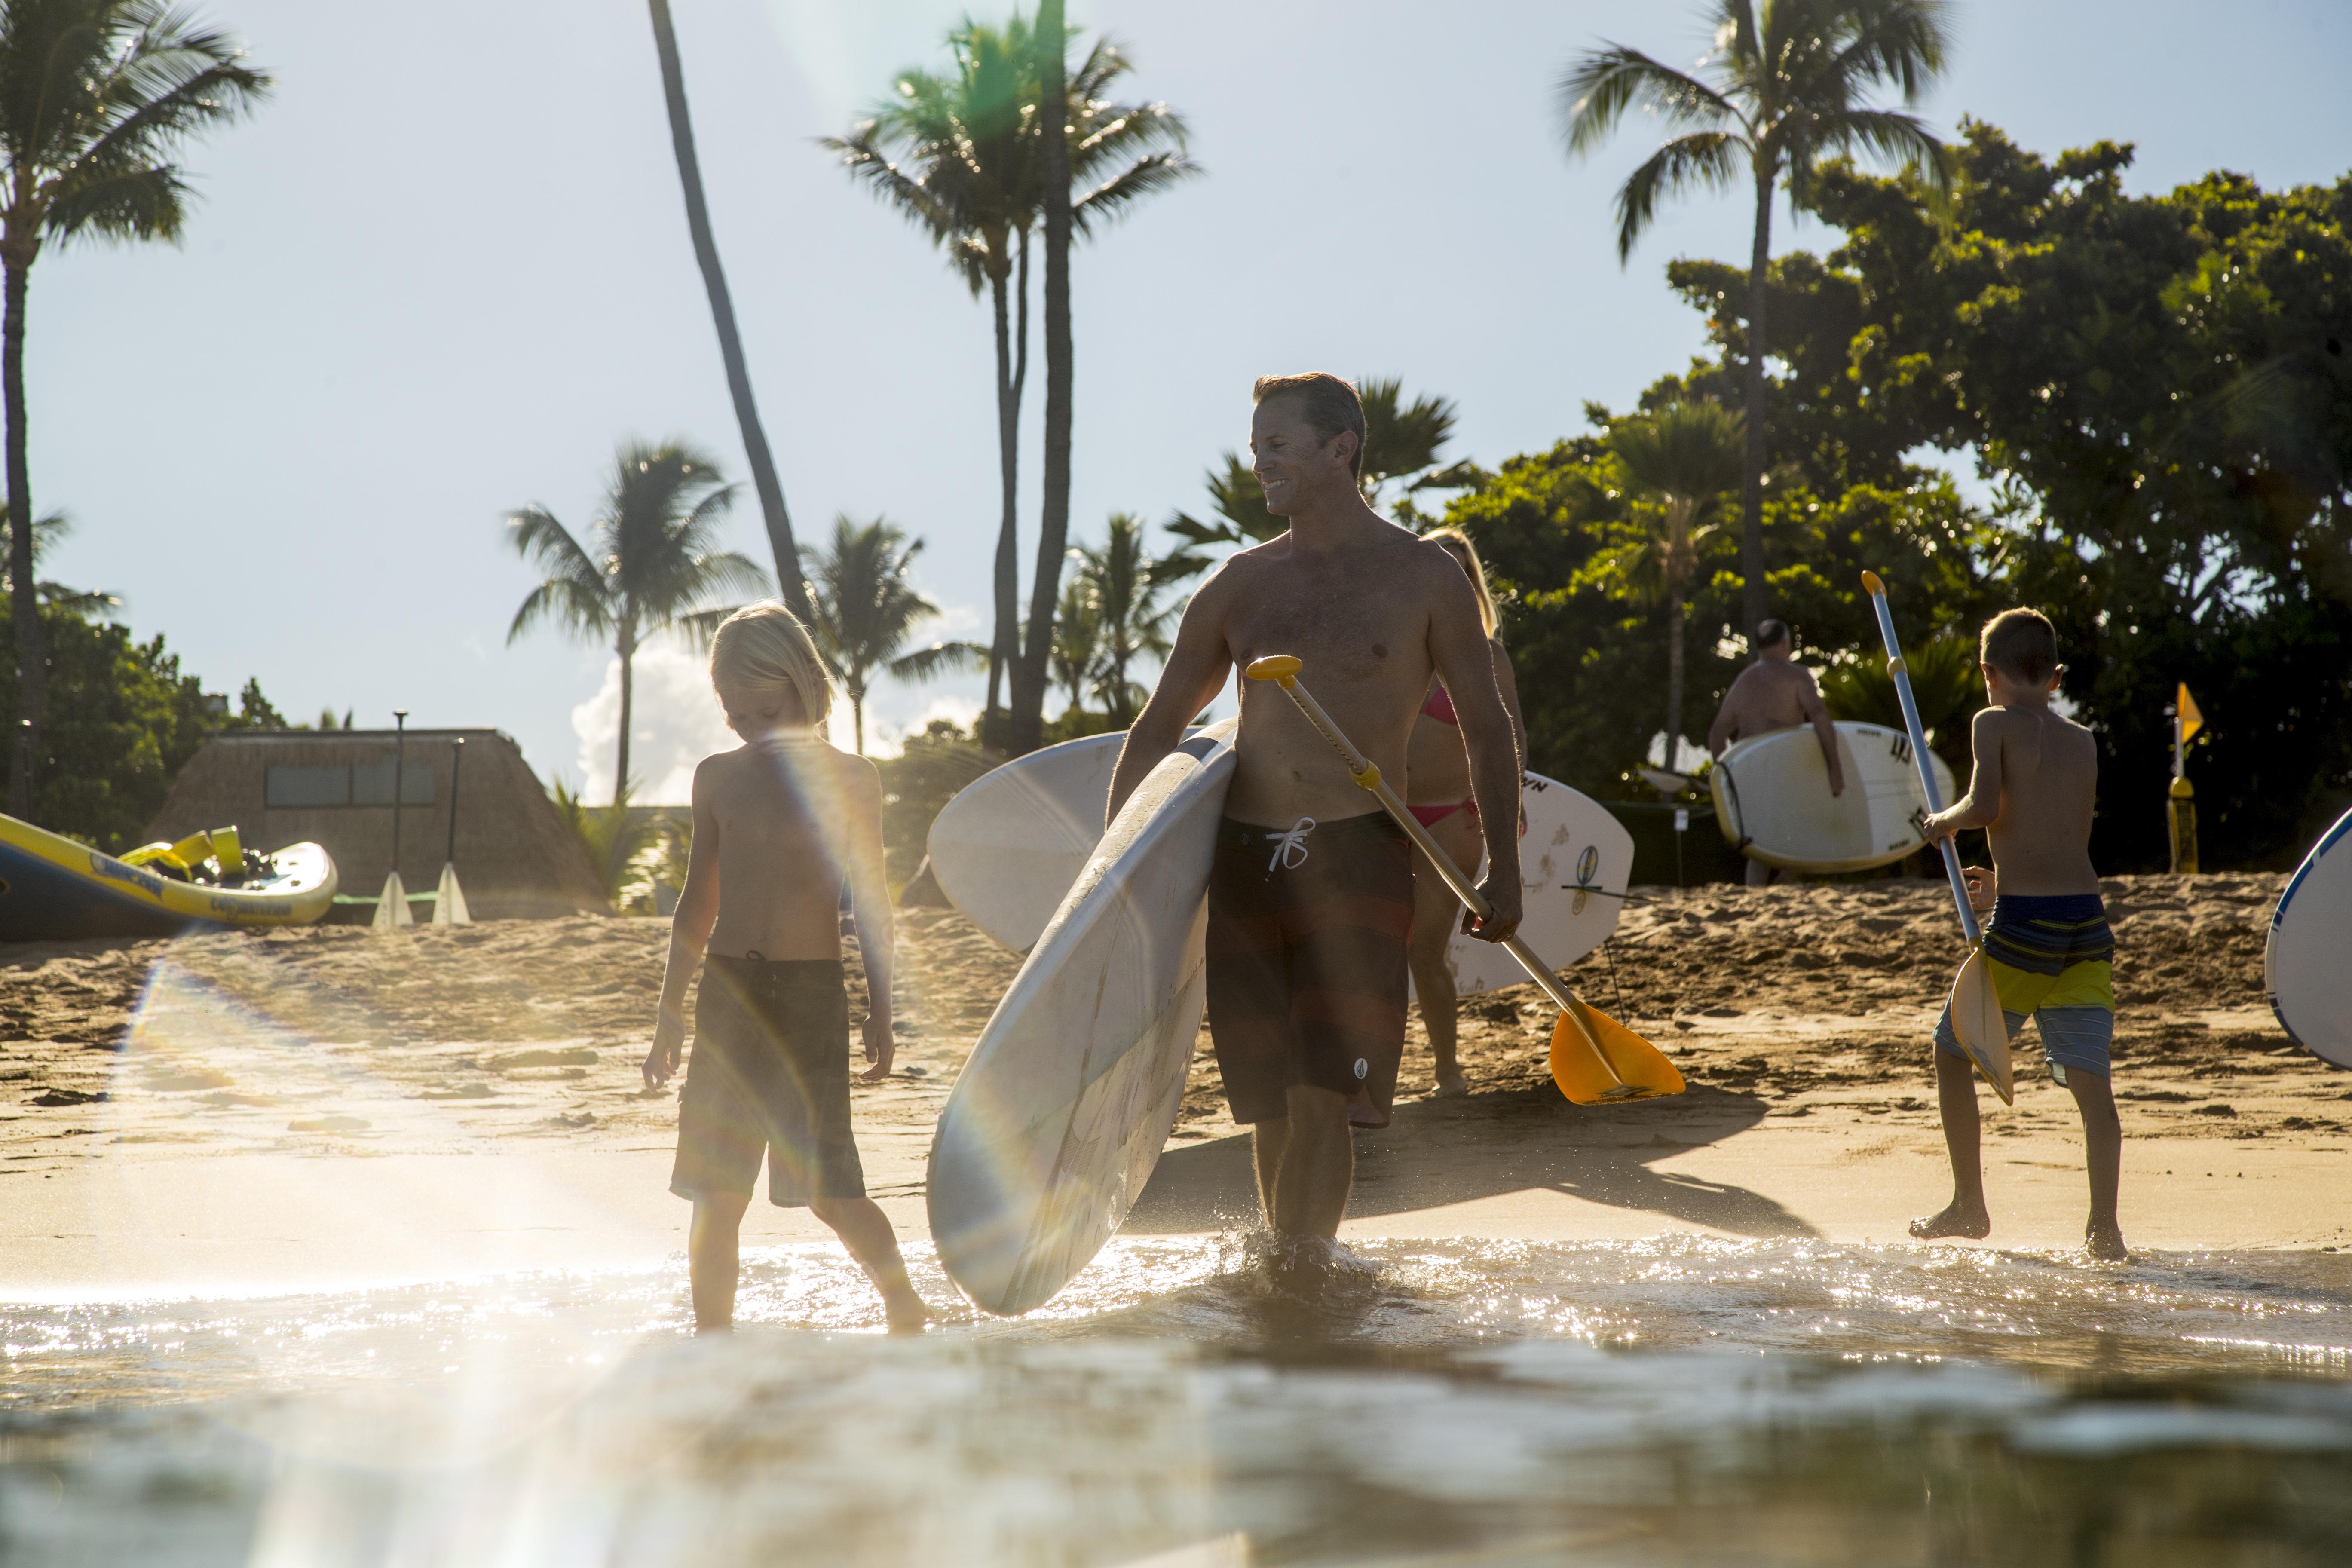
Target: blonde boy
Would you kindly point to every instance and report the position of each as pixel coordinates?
(2035, 783)
(779, 823)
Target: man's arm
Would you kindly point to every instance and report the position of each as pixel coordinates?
(870, 911)
(1981, 807)
(1809, 701)
(1725, 728)
(690, 933)
(1465, 662)
(1195, 672)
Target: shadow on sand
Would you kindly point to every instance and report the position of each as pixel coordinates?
(1441, 1152)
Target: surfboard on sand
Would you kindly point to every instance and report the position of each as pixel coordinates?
(1011, 843)
(2307, 962)
(1772, 798)
(1062, 1111)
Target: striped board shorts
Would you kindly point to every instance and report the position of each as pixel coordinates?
(2051, 959)
(1306, 960)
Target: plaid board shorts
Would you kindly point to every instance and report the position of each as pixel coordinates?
(2051, 959)
(1308, 929)
(768, 1075)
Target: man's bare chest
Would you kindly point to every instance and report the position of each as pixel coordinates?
(1353, 630)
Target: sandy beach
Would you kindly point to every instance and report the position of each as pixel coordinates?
(327, 1106)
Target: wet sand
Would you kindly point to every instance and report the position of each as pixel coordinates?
(332, 1105)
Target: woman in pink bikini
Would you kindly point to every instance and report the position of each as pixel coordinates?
(1437, 790)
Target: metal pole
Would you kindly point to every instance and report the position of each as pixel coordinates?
(399, 756)
(457, 760)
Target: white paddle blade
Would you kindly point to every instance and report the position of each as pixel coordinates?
(391, 905)
(1977, 1020)
(450, 903)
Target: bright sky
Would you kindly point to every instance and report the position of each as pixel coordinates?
(423, 287)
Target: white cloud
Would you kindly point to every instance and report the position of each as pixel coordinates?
(676, 723)
(885, 739)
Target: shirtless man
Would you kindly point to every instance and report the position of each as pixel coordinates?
(1310, 900)
(1776, 692)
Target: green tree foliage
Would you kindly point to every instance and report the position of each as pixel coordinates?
(1077, 639)
(867, 609)
(651, 562)
(125, 721)
(619, 842)
(96, 98)
(1785, 88)
(2159, 388)
(1132, 609)
(960, 154)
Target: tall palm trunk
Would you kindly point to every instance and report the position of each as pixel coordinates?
(1755, 602)
(1011, 374)
(857, 714)
(722, 315)
(626, 647)
(1053, 526)
(24, 610)
(1679, 565)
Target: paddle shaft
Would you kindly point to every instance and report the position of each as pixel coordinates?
(1367, 777)
(1911, 725)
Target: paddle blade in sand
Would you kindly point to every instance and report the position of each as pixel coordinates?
(1983, 1033)
(391, 905)
(1597, 1061)
(450, 903)
(1594, 1058)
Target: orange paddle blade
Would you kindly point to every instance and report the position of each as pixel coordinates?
(1578, 1042)
(1983, 1032)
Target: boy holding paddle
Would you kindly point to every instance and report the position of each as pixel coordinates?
(2048, 949)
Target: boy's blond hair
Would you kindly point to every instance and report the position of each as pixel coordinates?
(764, 647)
(1461, 540)
(2021, 644)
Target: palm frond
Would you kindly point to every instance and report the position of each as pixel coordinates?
(1709, 159)
(1108, 202)
(1606, 82)
(1902, 140)
(939, 658)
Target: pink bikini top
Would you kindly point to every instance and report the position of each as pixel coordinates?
(1440, 706)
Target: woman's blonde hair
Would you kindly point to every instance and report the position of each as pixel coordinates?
(764, 647)
(1478, 571)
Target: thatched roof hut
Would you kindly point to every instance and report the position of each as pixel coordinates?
(515, 857)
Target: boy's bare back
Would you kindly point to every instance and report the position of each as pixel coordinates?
(783, 815)
(2042, 771)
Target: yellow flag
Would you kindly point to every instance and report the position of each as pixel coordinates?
(2192, 721)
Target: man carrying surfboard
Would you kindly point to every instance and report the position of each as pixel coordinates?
(1775, 692)
(2035, 783)
(1311, 895)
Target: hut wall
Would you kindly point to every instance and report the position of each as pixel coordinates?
(514, 856)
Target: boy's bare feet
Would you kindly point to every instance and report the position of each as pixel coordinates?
(1954, 1220)
(1450, 1086)
(906, 1312)
(2104, 1240)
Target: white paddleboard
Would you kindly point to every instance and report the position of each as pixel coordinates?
(1056, 1122)
(1010, 844)
(1772, 798)
(2307, 962)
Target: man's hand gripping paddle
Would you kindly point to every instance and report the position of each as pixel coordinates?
(1976, 1006)
(1594, 1058)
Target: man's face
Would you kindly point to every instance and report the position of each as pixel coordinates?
(1292, 466)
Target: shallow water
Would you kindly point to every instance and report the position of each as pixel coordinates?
(1677, 1400)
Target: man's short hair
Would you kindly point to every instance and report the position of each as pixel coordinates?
(2022, 645)
(1327, 403)
(1770, 633)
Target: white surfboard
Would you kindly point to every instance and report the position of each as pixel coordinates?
(2307, 962)
(1010, 844)
(1056, 1122)
(1773, 804)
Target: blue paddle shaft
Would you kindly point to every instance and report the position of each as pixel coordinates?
(1912, 727)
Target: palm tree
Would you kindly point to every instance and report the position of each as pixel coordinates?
(866, 609)
(960, 154)
(84, 603)
(1077, 638)
(722, 316)
(1786, 90)
(1401, 441)
(1126, 587)
(1685, 456)
(95, 95)
(650, 562)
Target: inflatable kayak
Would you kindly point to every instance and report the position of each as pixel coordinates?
(52, 889)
